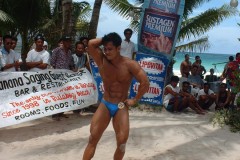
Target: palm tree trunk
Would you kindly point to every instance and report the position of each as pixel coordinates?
(95, 18)
(67, 17)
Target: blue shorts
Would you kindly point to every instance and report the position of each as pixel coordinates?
(112, 107)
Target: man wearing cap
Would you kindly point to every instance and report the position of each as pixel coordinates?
(9, 59)
(38, 58)
(62, 59)
(62, 56)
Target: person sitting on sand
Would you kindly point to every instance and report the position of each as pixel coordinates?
(206, 97)
(223, 97)
(173, 100)
(192, 100)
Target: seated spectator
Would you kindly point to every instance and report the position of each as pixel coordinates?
(211, 77)
(172, 100)
(192, 100)
(195, 80)
(223, 97)
(206, 97)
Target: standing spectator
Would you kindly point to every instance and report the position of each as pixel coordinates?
(185, 67)
(9, 59)
(195, 80)
(38, 58)
(62, 59)
(201, 69)
(127, 46)
(80, 57)
(45, 45)
(224, 74)
(222, 97)
(62, 56)
(1, 41)
(211, 78)
(206, 97)
(14, 44)
(84, 40)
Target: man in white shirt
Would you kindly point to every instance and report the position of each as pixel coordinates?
(127, 46)
(206, 97)
(38, 58)
(9, 59)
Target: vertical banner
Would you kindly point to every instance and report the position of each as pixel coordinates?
(158, 32)
(160, 24)
(97, 78)
(155, 67)
(159, 28)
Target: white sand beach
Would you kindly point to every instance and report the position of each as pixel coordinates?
(153, 136)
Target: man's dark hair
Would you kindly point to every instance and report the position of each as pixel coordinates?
(223, 84)
(39, 36)
(186, 55)
(231, 58)
(77, 43)
(14, 39)
(112, 37)
(185, 82)
(197, 57)
(82, 38)
(6, 37)
(174, 79)
(237, 54)
(206, 84)
(128, 30)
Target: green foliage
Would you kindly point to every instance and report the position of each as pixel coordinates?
(228, 117)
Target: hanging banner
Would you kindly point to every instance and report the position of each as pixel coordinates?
(27, 96)
(168, 6)
(98, 79)
(155, 68)
(160, 24)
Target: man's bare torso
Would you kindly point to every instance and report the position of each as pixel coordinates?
(116, 79)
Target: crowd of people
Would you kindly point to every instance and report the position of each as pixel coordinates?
(201, 93)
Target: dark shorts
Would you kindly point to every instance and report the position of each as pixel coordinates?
(170, 106)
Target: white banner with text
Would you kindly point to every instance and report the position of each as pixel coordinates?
(27, 96)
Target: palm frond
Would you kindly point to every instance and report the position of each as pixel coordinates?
(120, 6)
(204, 22)
(5, 18)
(190, 5)
(196, 45)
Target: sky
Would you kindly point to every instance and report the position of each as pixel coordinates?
(223, 38)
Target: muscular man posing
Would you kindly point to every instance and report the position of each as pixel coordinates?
(117, 73)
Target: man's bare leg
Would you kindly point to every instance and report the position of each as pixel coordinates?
(121, 127)
(100, 121)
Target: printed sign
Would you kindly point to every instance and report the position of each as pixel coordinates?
(155, 67)
(170, 6)
(158, 31)
(30, 95)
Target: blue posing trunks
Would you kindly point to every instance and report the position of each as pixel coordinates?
(112, 107)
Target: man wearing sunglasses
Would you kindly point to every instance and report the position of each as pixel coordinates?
(9, 59)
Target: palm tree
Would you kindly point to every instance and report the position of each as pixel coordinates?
(121, 6)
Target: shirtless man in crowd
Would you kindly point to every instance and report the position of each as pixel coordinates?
(117, 73)
(185, 67)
